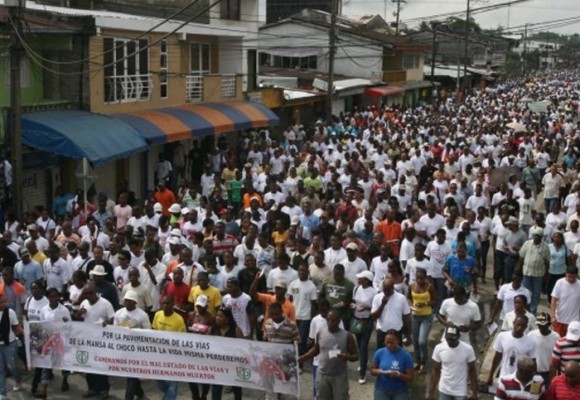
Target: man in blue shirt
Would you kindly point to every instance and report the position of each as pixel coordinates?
(460, 269)
(27, 271)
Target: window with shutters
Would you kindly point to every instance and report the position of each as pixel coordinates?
(127, 76)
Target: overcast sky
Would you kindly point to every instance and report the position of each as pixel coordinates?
(531, 12)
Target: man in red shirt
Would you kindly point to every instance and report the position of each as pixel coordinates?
(391, 231)
(165, 197)
(179, 291)
(567, 385)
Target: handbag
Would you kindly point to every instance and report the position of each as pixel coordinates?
(357, 326)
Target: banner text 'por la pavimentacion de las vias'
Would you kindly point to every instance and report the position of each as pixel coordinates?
(150, 354)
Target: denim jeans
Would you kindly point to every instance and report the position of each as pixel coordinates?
(303, 330)
(549, 203)
(363, 340)
(552, 279)
(499, 267)
(534, 285)
(168, 388)
(445, 396)
(314, 381)
(382, 394)
(441, 290)
(484, 250)
(8, 360)
(421, 329)
(510, 263)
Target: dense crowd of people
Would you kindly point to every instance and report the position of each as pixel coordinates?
(378, 225)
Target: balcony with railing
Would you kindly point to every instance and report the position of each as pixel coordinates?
(194, 87)
(127, 88)
(211, 87)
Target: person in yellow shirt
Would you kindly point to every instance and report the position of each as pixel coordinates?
(214, 297)
(168, 320)
(35, 254)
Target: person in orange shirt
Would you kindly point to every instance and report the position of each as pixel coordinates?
(13, 291)
(391, 231)
(165, 197)
(251, 194)
(279, 296)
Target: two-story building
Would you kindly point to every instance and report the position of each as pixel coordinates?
(145, 83)
(375, 58)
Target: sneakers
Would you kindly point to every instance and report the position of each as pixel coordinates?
(17, 387)
(362, 381)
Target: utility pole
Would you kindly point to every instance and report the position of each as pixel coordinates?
(332, 36)
(15, 108)
(466, 48)
(398, 14)
(524, 64)
(433, 54)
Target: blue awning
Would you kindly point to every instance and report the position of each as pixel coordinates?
(81, 134)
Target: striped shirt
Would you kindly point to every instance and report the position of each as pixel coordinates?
(510, 388)
(220, 246)
(564, 351)
(284, 332)
(560, 390)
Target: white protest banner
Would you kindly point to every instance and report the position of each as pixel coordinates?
(172, 356)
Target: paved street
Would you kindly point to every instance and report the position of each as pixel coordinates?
(362, 392)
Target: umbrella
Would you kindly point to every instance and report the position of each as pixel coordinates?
(501, 175)
(538, 107)
(516, 126)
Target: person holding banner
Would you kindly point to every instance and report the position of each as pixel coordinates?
(168, 320)
(95, 310)
(132, 317)
(226, 326)
(278, 329)
(9, 330)
(53, 311)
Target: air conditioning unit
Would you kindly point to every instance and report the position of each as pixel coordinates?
(15, 3)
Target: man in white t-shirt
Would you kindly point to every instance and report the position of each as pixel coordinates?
(391, 310)
(380, 267)
(553, 183)
(461, 312)
(505, 296)
(545, 340)
(304, 296)
(95, 310)
(237, 301)
(419, 261)
(509, 346)
(453, 359)
(437, 251)
(352, 264)
(565, 305)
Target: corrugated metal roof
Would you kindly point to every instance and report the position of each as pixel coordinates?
(449, 70)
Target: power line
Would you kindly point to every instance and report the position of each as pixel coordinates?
(141, 35)
(37, 57)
